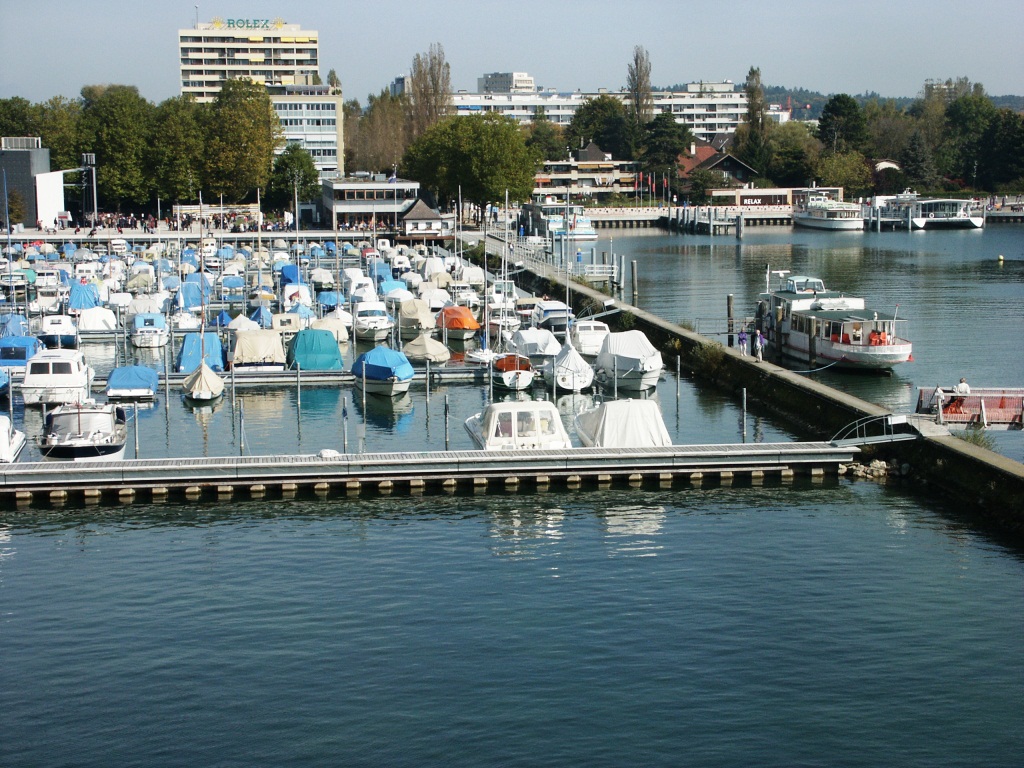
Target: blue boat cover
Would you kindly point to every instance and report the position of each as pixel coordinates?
(68, 248)
(291, 273)
(192, 349)
(262, 316)
(378, 270)
(83, 296)
(149, 320)
(133, 377)
(172, 283)
(13, 325)
(16, 350)
(233, 281)
(223, 319)
(382, 363)
(190, 296)
(315, 350)
(302, 311)
(330, 298)
(392, 285)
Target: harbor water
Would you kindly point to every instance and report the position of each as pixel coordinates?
(820, 623)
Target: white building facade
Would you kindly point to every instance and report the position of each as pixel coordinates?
(506, 82)
(266, 51)
(312, 118)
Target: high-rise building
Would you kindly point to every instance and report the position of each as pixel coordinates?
(506, 82)
(266, 51)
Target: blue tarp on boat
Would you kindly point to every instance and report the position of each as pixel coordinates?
(291, 273)
(133, 377)
(83, 296)
(149, 320)
(13, 325)
(16, 350)
(190, 296)
(195, 347)
(315, 350)
(392, 285)
(330, 299)
(223, 319)
(263, 317)
(383, 363)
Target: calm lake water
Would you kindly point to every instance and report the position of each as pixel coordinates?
(840, 623)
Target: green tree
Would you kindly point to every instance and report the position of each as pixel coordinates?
(242, 134)
(967, 120)
(294, 173)
(353, 117)
(640, 110)
(176, 160)
(18, 117)
(842, 127)
(545, 139)
(918, 164)
(117, 127)
(334, 82)
(381, 139)
(428, 91)
(16, 211)
(60, 131)
(795, 155)
(483, 155)
(753, 144)
(1002, 157)
(601, 120)
(848, 170)
(664, 141)
(888, 129)
(701, 182)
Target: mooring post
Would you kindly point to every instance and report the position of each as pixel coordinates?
(729, 306)
(428, 381)
(446, 436)
(298, 384)
(633, 272)
(241, 429)
(135, 417)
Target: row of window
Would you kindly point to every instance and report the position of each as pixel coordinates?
(286, 106)
(297, 122)
(374, 194)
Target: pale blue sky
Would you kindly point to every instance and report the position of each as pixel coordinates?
(54, 47)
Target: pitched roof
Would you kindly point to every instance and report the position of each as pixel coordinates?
(420, 211)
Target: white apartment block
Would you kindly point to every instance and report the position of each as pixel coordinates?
(706, 108)
(312, 118)
(506, 82)
(266, 51)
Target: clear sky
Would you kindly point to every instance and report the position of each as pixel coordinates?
(54, 47)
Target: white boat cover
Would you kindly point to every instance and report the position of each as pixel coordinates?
(143, 304)
(424, 348)
(260, 347)
(623, 424)
(337, 327)
(572, 370)
(203, 381)
(628, 351)
(415, 313)
(243, 323)
(535, 342)
(97, 319)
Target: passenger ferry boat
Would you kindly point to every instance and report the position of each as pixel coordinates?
(937, 213)
(802, 320)
(549, 218)
(819, 211)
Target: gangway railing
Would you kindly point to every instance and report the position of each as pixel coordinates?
(870, 430)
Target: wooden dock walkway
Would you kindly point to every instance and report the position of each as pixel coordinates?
(222, 478)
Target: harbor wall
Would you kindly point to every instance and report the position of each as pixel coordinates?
(988, 485)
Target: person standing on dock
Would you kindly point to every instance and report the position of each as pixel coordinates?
(758, 345)
(741, 339)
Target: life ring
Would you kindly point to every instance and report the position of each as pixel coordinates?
(931, 215)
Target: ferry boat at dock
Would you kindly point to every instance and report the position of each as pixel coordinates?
(819, 211)
(804, 321)
(908, 209)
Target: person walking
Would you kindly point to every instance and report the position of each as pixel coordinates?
(758, 345)
(742, 341)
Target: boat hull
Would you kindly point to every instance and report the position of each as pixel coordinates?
(958, 222)
(386, 387)
(54, 395)
(83, 452)
(849, 356)
(832, 225)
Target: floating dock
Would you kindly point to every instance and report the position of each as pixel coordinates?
(330, 472)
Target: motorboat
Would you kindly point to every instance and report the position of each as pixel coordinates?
(552, 315)
(259, 351)
(628, 361)
(554, 218)
(457, 322)
(415, 317)
(84, 432)
(623, 424)
(819, 211)
(512, 371)
(56, 376)
(424, 349)
(503, 320)
(588, 335)
(132, 382)
(518, 425)
(149, 330)
(538, 344)
(383, 371)
(802, 320)
(12, 441)
(314, 349)
(371, 321)
(913, 212)
(568, 370)
(58, 332)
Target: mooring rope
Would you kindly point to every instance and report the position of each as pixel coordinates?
(815, 370)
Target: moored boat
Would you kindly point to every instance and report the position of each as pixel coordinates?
(383, 371)
(84, 432)
(12, 441)
(511, 426)
(628, 361)
(819, 211)
(802, 320)
(56, 376)
(132, 382)
(623, 424)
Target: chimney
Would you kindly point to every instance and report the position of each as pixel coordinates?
(693, 148)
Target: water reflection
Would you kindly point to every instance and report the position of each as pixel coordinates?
(629, 530)
(525, 533)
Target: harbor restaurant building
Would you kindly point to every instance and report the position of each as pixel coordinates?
(368, 202)
(750, 197)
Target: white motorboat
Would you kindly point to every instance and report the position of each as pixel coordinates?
(383, 371)
(628, 361)
(12, 441)
(913, 212)
(84, 432)
(149, 330)
(56, 376)
(518, 425)
(803, 321)
(538, 344)
(371, 321)
(568, 370)
(623, 424)
(588, 336)
(58, 332)
(819, 211)
(552, 315)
